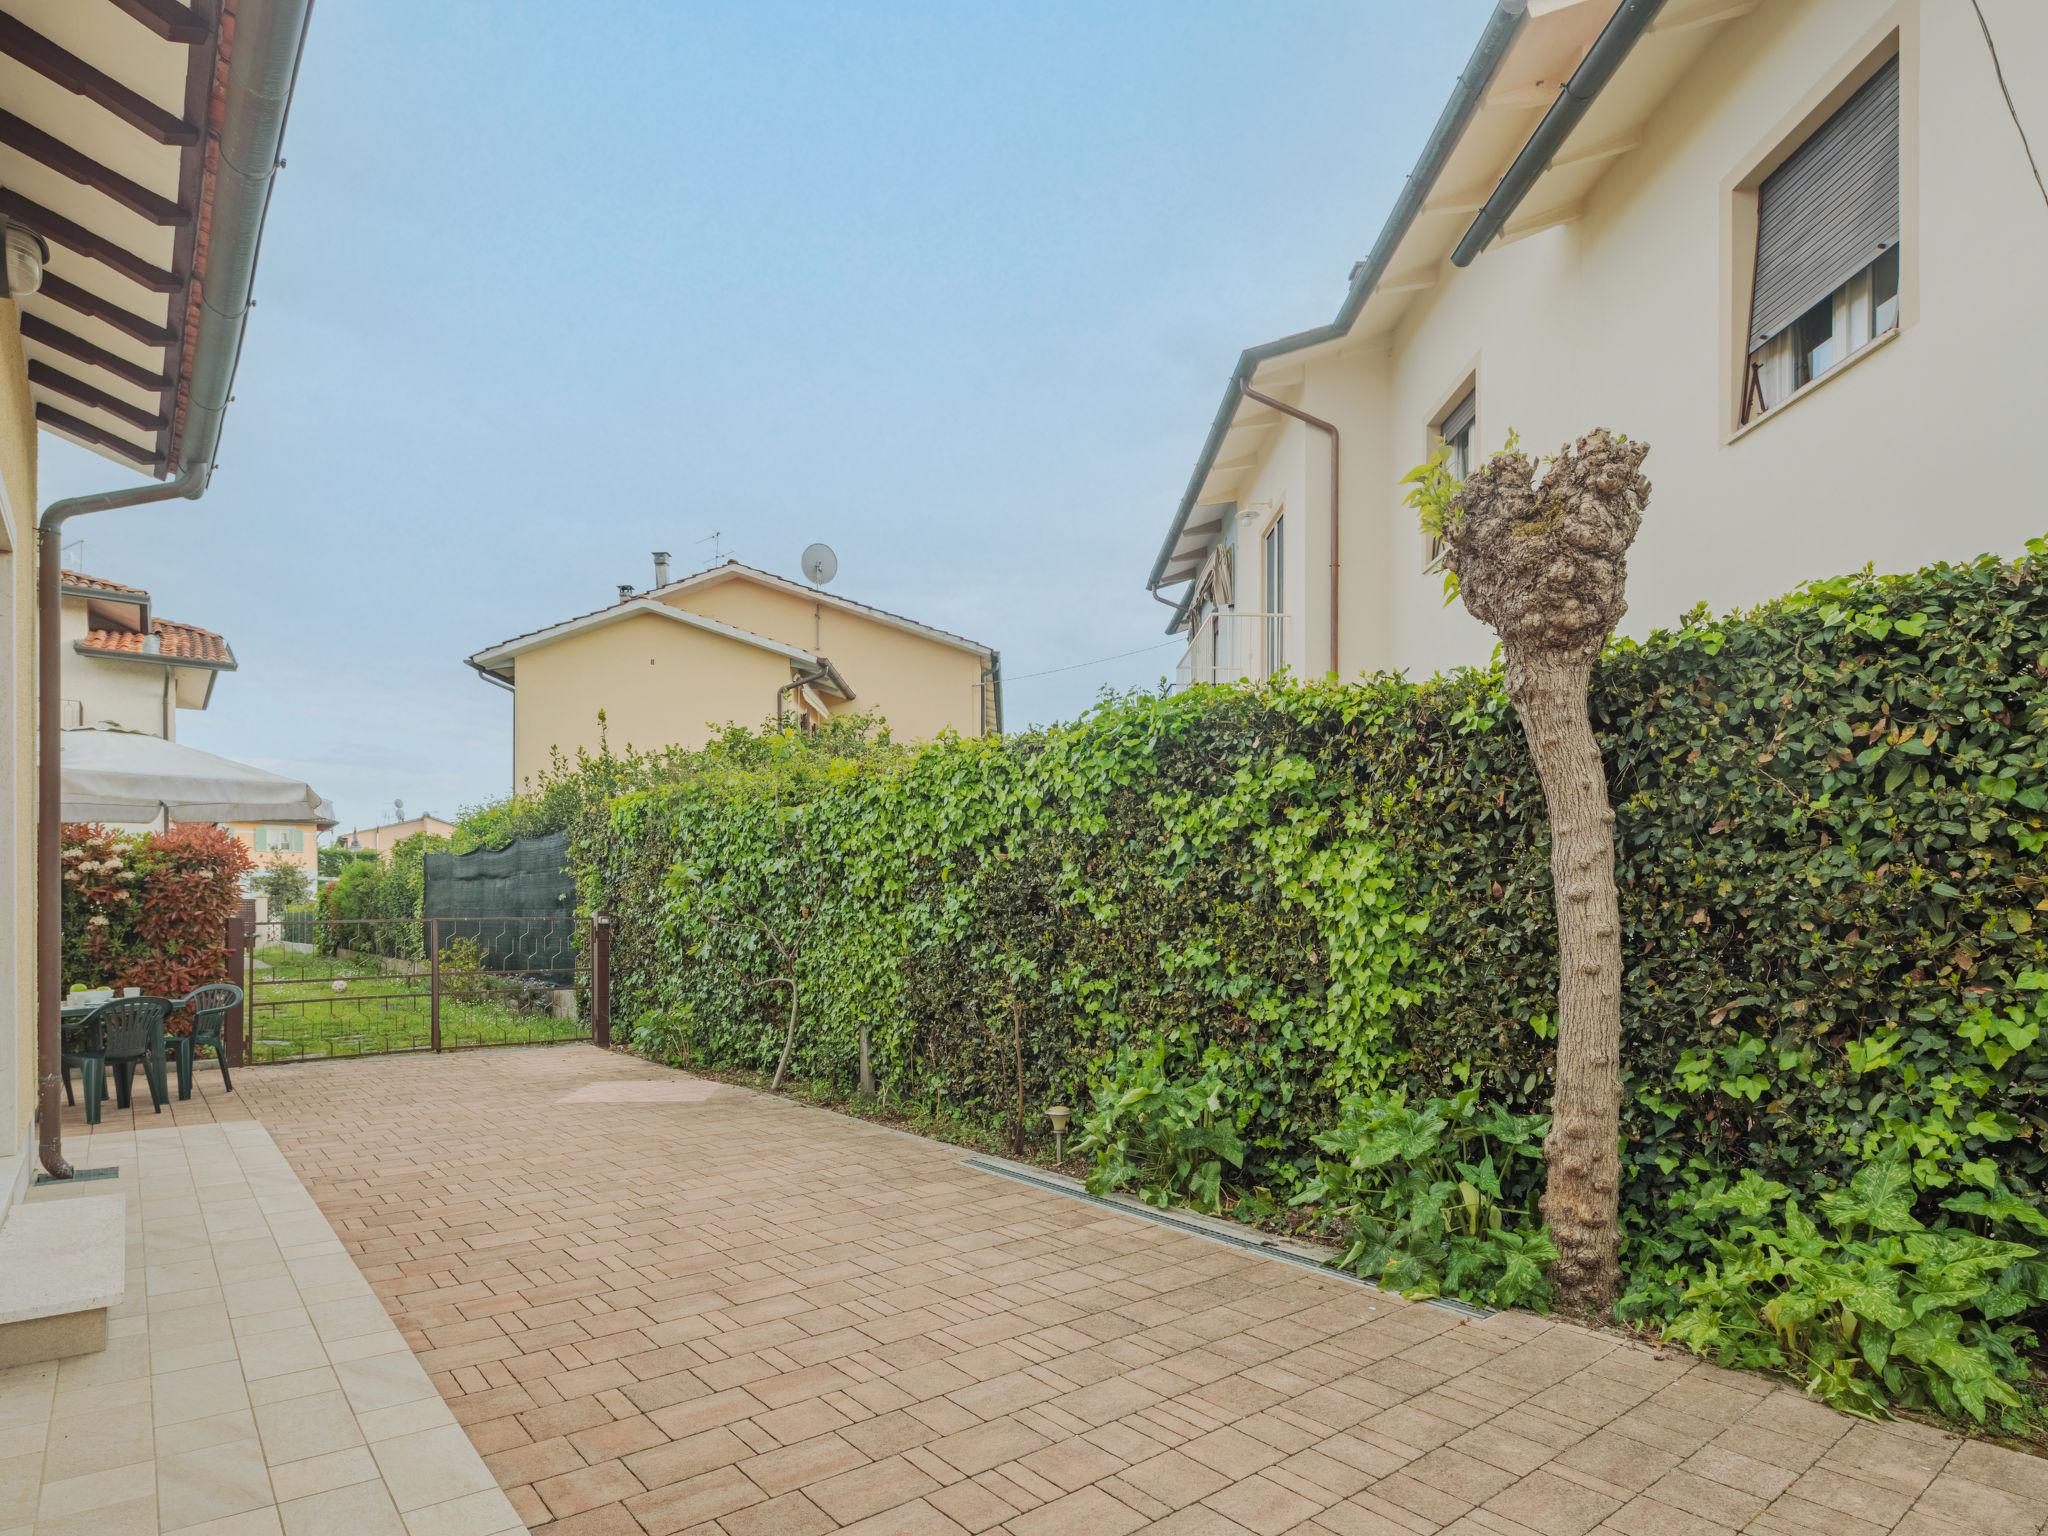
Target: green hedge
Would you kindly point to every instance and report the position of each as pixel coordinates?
(372, 907)
(1832, 816)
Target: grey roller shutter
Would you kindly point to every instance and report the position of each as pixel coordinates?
(1830, 210)
(1462, 416)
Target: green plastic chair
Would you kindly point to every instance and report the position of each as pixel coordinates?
(210, 1005)
(116, 1035)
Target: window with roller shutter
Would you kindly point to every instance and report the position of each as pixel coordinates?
(1827, 248)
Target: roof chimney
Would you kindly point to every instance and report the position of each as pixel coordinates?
(625, 590)
(661, 567)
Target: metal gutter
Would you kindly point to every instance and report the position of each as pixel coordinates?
(1631, 19)
(269, 40)
(1502, 27)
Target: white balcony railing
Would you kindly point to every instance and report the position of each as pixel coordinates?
(1233, 648)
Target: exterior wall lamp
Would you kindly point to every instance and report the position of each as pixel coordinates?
(27, 254)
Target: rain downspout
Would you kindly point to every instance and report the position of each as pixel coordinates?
(800, 681)
(270, 36)
(1335, 522)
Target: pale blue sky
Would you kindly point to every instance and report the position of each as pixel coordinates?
(953, 288)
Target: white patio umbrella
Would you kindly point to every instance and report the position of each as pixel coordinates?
(124, 776)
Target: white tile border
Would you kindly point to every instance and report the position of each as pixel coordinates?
(243, 1314)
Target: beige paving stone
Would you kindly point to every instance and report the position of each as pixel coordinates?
(361, 1509)
(684, 1290)
(212, 1484)
(307, 1426)
(322, 1474)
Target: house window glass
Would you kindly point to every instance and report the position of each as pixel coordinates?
(1827, 250)
(280, 839)
(1274, 548)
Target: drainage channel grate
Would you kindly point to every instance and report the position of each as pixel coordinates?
(1199, 1229)
(80, 1175)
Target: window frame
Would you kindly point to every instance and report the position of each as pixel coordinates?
(1273, 590)
(1895, 35)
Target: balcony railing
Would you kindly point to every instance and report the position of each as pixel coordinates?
(1233, 648)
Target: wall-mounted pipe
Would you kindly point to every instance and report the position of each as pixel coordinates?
(1503, 26)
(820, 674)
(1336, 523)
(270, 37)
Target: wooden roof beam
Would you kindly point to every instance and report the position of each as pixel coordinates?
(66, 161)
(59, 382)
(64, 421)
(62, 231)
(35, 328)
(71, 296)
(172, 22)
(25, 45)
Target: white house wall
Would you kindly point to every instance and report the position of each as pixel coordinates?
(1905, 456)
(1627, 318)
(127, 693)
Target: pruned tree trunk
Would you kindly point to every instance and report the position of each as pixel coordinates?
(1546, 565)
(867, 1068)
(1583, 1190)
(788, 1034)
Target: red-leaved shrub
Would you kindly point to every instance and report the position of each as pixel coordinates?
(149, 911)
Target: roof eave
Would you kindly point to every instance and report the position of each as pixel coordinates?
(1502, 27)
(157, 658)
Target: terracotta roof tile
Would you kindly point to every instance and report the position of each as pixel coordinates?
(175, 642)
(87, 583)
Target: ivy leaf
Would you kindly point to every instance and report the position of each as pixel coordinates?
(1879, 1197)
(1999, 1206)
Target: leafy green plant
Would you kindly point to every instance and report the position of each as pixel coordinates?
(282, 882)
(1170, 1137)
(1864, 1302)
(1439, 1199)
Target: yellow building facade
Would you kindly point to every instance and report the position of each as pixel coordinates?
(733, 645)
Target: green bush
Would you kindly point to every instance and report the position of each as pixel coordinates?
(1831, 815)
(1439, 1200)
(1168, 1137)
(1870, 1305)
(1831, 821)
(373, 906)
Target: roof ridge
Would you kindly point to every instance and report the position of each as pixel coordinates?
(651, 597)
(733, 563)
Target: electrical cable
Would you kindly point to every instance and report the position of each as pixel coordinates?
(2005, 90)
(1098, 661)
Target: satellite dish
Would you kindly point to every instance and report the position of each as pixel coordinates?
(820, 564)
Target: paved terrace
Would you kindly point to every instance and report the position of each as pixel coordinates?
(661, 1305)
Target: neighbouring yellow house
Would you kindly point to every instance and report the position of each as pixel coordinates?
(387, 837)
(135, 175)
(672, 665)
(296, 843)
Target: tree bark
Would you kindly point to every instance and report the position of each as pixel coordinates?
(788, 1035)
(867, 1069)
(1544, 560)
(1583, 1179)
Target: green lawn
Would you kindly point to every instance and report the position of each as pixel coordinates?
(295, 1011)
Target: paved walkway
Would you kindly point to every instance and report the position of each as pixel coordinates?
(252, 1383)
(661, 1305)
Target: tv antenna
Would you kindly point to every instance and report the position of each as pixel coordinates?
(718, 551)
(820, 565)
